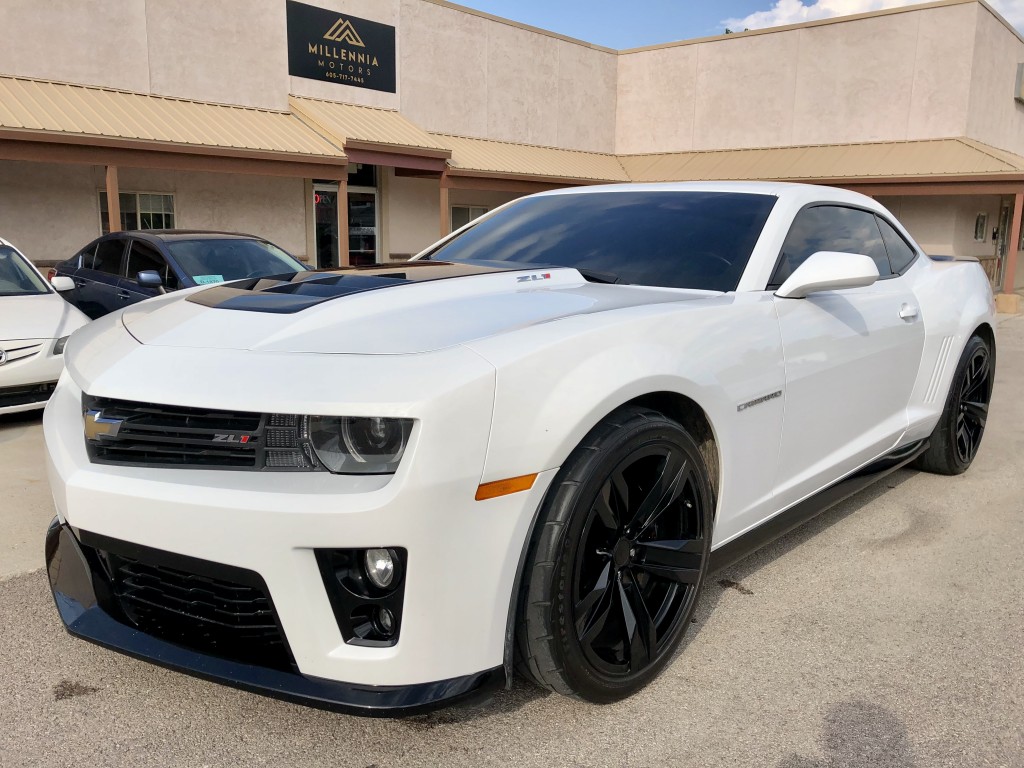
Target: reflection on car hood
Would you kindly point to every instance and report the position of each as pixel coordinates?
(45, 316)
(390, 310)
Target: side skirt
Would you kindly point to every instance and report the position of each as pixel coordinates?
(809, 508)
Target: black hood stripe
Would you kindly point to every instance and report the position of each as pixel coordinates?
(287, 294)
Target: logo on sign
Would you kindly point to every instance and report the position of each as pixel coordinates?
(344, 32)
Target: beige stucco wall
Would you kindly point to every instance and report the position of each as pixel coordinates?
(413, 220)
(472, 76)
(100, 43)
(51, 211)
(994, 116)
(48, 211)
(896, 76)
(944, 225)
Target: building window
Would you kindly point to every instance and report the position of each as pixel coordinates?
(980, 225)
(140, 210)
(463, 214)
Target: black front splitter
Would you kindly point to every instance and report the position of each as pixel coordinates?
(81, 595)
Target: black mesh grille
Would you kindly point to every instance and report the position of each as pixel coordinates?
(26, 395)
(212, 608)
(152, 435)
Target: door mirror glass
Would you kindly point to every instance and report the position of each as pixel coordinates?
(149, 278)
(829, 271)
(62, 283)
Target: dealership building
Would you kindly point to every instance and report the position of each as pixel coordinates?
(393, 121)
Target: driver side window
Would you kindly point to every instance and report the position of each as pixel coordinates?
(143, 256)
(830, 228)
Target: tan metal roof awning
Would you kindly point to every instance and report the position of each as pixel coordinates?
(384, 132)
(484, 157)
(44, 111)
(931, 158)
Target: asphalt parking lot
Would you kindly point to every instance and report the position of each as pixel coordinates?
(888, 632)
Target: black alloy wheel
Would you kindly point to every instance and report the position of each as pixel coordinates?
(619, 558)
(972, 412)
(954, 444)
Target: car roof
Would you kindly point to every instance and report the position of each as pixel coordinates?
(171, 235)
(796, 193)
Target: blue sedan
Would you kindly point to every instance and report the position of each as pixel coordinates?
(123, 268)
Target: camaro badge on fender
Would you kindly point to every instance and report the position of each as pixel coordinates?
(759, 400)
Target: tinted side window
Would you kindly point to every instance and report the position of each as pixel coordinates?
(143, 256)
(86, 257)
(900, 252)
(108, 257)
(830, 228)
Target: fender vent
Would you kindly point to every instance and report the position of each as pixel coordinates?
(940, 366)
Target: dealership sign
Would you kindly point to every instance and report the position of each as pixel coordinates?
(338, 48)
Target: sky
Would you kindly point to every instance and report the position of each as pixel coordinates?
(615, 24)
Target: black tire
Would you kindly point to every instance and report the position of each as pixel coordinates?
(955, 441)
(566, 630)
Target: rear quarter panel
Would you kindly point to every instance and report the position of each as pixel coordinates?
(955, 299)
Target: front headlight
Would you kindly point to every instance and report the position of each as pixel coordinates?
(58, 347)
(357, 445)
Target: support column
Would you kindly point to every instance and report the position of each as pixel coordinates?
(113, 200)
(1010, 271)
(343, 255)
(446, 214)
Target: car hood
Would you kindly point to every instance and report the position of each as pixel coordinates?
(399, 309)
(46, 316)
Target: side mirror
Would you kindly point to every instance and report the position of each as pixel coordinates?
(62, 283)
(150, 278)
(829, 271)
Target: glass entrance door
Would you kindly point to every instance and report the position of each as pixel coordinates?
(362, 227)
(325, 206)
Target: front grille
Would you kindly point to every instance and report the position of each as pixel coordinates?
(216, 609)
(27, 394)
(21, 350)
(151, 435)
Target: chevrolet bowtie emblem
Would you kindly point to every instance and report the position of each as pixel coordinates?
(96, 426)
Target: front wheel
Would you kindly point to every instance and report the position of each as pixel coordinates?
(618, 559)
(957, 436)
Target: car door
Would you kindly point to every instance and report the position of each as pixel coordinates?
(144, 256)
(99, 279)
(851, 356)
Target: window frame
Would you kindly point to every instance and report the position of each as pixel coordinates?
(138, 214)
(170, 268)
(771, 286)
(113, 236)
(470, 207)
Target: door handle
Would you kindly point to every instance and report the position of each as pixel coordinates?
(123, 295)
(908, 312)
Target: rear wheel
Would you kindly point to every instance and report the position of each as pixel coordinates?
(957, 436)
(618, 559)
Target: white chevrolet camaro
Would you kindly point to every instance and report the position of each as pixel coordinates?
(384, 489)
(35, 323)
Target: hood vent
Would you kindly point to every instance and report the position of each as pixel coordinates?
(286, 294)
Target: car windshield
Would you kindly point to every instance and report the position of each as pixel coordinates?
(660, 238)
(215, 260)
(17, 278)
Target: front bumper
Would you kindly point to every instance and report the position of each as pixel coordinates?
(82, 592)
(462, 554)
(26, 383)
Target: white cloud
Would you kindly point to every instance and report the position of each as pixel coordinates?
(795, 11)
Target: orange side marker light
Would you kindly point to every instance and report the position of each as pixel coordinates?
(505, 487)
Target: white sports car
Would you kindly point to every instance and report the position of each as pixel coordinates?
(35, 323)
(383, 489)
